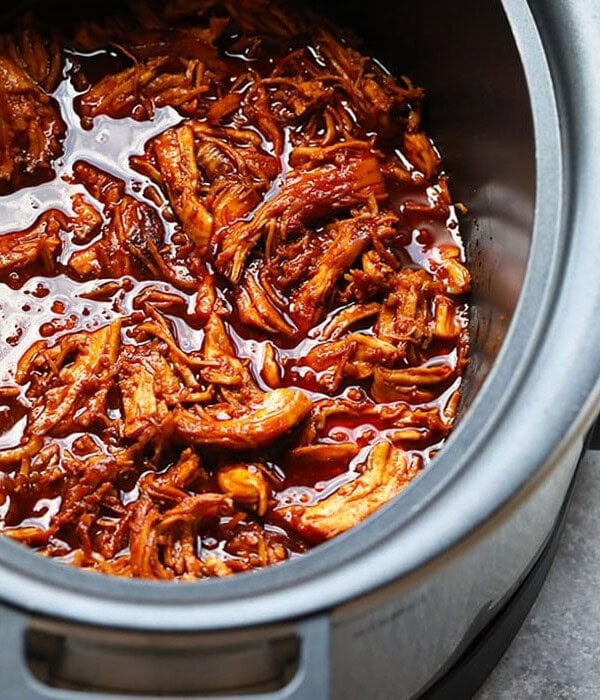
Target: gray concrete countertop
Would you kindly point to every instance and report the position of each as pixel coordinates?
(556, 653)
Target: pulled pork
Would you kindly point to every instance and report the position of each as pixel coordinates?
(237, 327)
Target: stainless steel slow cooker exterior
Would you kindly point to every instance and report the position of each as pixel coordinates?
(381, 611)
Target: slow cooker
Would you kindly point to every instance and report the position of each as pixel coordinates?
(384, 610)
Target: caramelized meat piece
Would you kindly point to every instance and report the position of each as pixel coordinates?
(146, 382)
(256, 308)
(421, 153)
(170, 536)
(38, 244)
(223, 368)
(38, 56)
(131, 233)
(381, 102)
(133, 226)
(138, 91)
(306, 196)
(413, 384)
(337, 454)
(357, 355)
(177, 162)
(69, 380)
(349, 240)
(246, 484)
(279, 412)
(31, 128)
(210, 181)
(39, 247)
(385, 474)
(455, 276)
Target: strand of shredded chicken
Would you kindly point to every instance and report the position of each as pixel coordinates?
(244, 334)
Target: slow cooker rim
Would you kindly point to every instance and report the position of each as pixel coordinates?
(143, 604)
